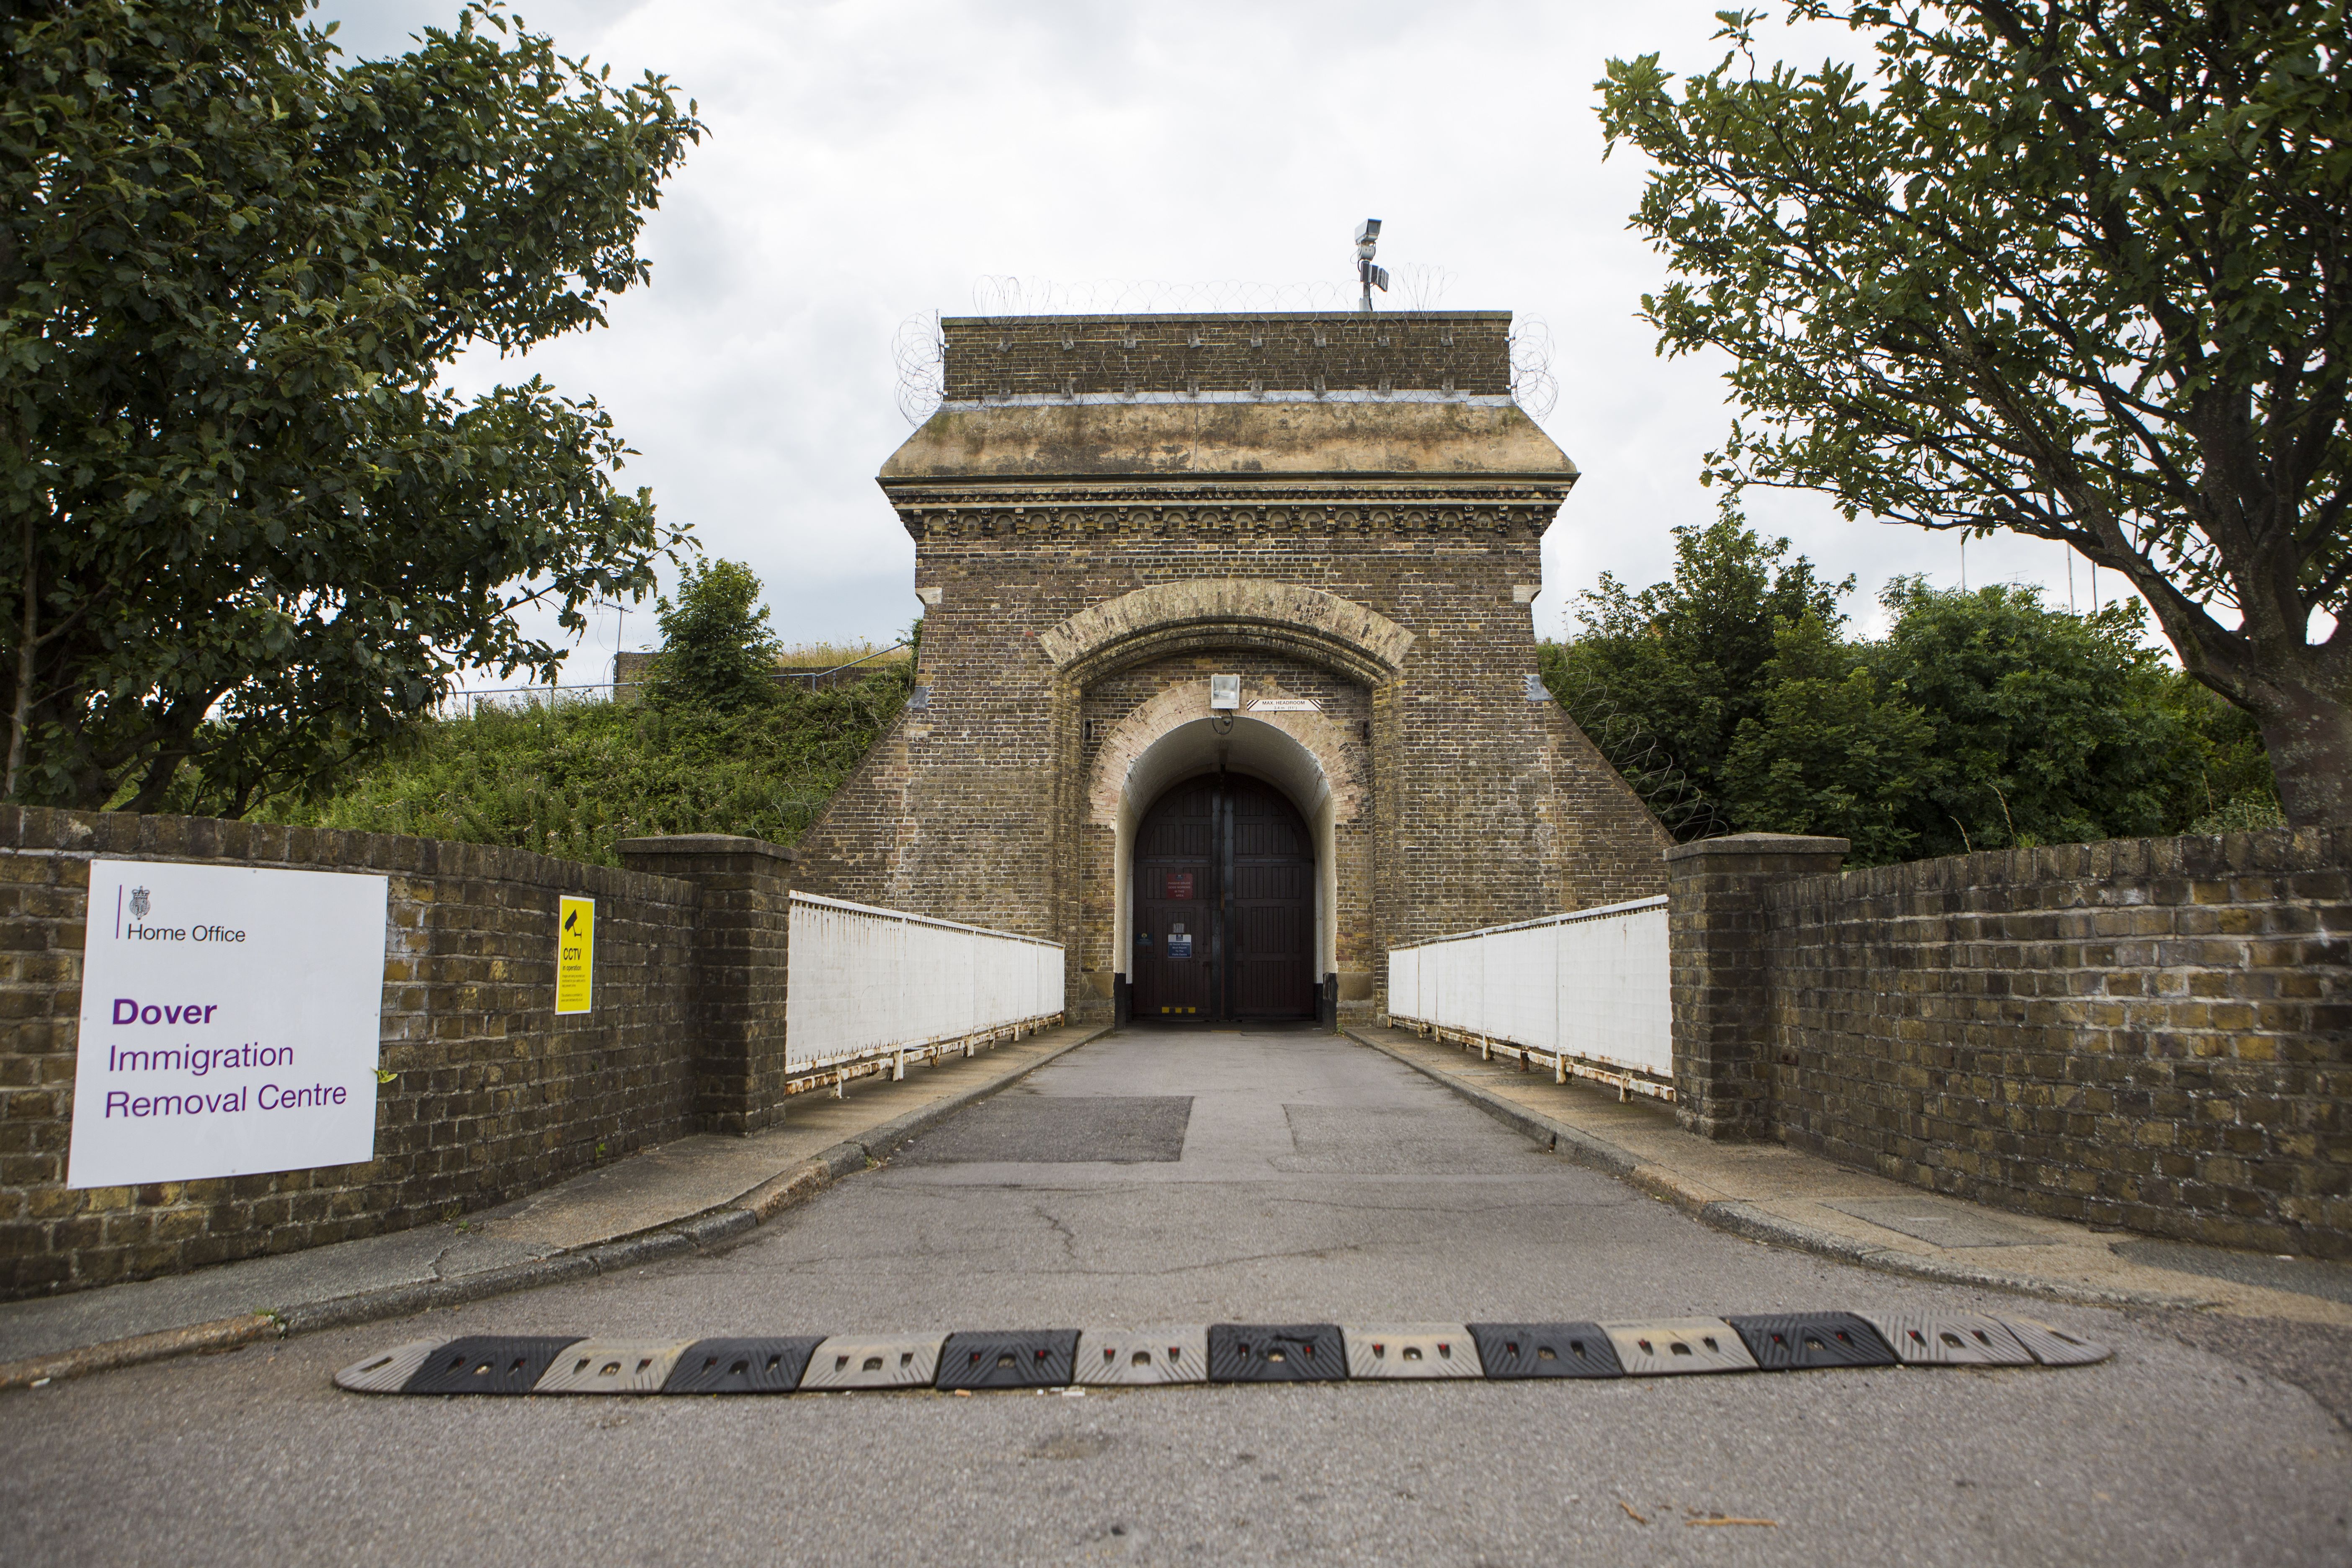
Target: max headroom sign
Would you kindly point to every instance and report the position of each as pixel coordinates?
(230, 1022)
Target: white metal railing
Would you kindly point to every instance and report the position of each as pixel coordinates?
(871, 990)
(466, 704)
(1584, 994)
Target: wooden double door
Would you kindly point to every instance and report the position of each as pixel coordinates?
(1225, 905)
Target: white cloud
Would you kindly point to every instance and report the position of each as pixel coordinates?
(874, 159)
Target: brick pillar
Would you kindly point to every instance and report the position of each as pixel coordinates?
(1716, 937)
(740, 940)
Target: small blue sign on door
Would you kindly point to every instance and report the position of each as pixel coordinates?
(1179, 945)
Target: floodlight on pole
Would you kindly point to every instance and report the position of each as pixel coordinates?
(1368, 240)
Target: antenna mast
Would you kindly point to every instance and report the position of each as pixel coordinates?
(1368, 240)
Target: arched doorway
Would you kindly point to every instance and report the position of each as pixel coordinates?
(1224, 905)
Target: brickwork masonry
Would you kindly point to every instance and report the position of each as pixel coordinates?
(2152, 1034)
(492, 1094)
(1464, 353)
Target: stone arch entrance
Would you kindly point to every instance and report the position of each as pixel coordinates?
(1304, 758)
(1223, 906)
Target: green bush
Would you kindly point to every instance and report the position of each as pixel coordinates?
(572, 781)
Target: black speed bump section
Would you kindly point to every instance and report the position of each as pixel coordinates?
(1276, 1353)
(1545, 1350)
(490, 1363)
(742, 1365)
(1791, 1342)
(1041, 1358)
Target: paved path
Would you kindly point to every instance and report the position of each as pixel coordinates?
(1314, 1178)
(1770, 1192)
(699, 1193)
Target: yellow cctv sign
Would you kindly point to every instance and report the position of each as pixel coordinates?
(575, 956)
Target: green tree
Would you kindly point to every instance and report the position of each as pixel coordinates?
(2231, 788)
(2046, 727)
(1831, 749)
(716, 648)
(2076, 269)
(1679, 665)
(245, 529)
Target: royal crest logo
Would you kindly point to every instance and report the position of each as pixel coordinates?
(138, 903)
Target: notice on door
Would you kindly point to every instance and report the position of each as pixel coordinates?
(1180, 885)
(1180, 945)
(575, 956)
(231, 1022)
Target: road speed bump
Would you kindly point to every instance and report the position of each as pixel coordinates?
(1671, 1346)
(742, 1365)
(490, 1363)
(1411, 1349)
(612, 1366)
(1036, 1359)
(1226, 1352)
(890, 1361)
(1163, 1353)
(1545, 1350)
(1276, 1353)
(389, 1371)
(2052, 1346)
(1790, 1342)
(1949, 1339)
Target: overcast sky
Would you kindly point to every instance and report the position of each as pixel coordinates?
(868, 159)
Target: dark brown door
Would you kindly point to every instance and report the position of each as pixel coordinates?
(1174, 974)
(1273, 917)
(1225, 905)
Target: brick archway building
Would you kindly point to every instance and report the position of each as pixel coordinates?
(1344, 510)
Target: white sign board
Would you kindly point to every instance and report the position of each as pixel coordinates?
(230, 1022)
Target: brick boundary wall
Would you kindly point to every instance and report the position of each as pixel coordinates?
(2154, 1034)
(1718, 935)
(495, 1096)
(741, 947)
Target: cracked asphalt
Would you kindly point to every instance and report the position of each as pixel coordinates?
(1199, 1177)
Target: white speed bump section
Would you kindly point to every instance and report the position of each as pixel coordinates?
(387, 1372)
(1947, 1339)
(1668, 1345)
(1411, 1349)
(1161, 1353)
(896, 1360)
(612, 1366)
(2054, 1346)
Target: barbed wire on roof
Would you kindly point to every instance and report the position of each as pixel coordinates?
(921, 352)
(1640, 758)
(1006, 295)
(1422, 285)
(1532, 385)
(919, 349)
